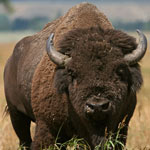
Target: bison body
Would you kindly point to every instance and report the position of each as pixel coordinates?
(94, 90)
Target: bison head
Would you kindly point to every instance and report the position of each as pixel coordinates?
(99, 72)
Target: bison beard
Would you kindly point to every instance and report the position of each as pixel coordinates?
(94, 90)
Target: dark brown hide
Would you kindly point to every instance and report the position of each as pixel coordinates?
(57, 97)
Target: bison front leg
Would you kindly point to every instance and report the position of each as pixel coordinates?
(43, 137)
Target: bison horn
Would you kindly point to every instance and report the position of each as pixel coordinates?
(57, 57)
(139, 52)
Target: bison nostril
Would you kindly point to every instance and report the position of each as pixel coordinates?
(91, 106)
(105, 106)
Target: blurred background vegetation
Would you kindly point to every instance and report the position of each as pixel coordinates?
(19, 15)
(7, 5)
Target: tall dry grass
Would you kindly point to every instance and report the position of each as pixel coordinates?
(8, 139)
(139, 128)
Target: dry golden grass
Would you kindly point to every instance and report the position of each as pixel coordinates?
(8, 139)
(139, 129)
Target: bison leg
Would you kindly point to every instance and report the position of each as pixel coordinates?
(21, 125)
(43, 138)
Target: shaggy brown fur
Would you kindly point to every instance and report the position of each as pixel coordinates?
(59, 95)
(84, 16)
(97, 58)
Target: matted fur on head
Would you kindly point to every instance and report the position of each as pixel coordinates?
(97, 37)
(104, 46)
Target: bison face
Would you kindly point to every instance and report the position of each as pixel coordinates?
(99, 97)
(99, 82)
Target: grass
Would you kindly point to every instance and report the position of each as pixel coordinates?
(112, 142)
(139, 127)
(72, 144)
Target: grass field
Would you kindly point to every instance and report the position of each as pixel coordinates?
(139, 128)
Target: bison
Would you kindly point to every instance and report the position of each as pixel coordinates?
(78, 76)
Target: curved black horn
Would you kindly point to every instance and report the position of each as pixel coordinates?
(55, 56)
(139, 52)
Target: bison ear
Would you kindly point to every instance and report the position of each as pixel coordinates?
(122, 40)
(137, 79)
(61, 80)
(133, 52)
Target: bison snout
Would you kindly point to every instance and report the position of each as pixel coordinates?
(103, 106)
(99, 110)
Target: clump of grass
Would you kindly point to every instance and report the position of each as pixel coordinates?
(72, 144)
(113, 140)
(21, 147)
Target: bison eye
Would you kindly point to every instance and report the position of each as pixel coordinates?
(123, 72)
